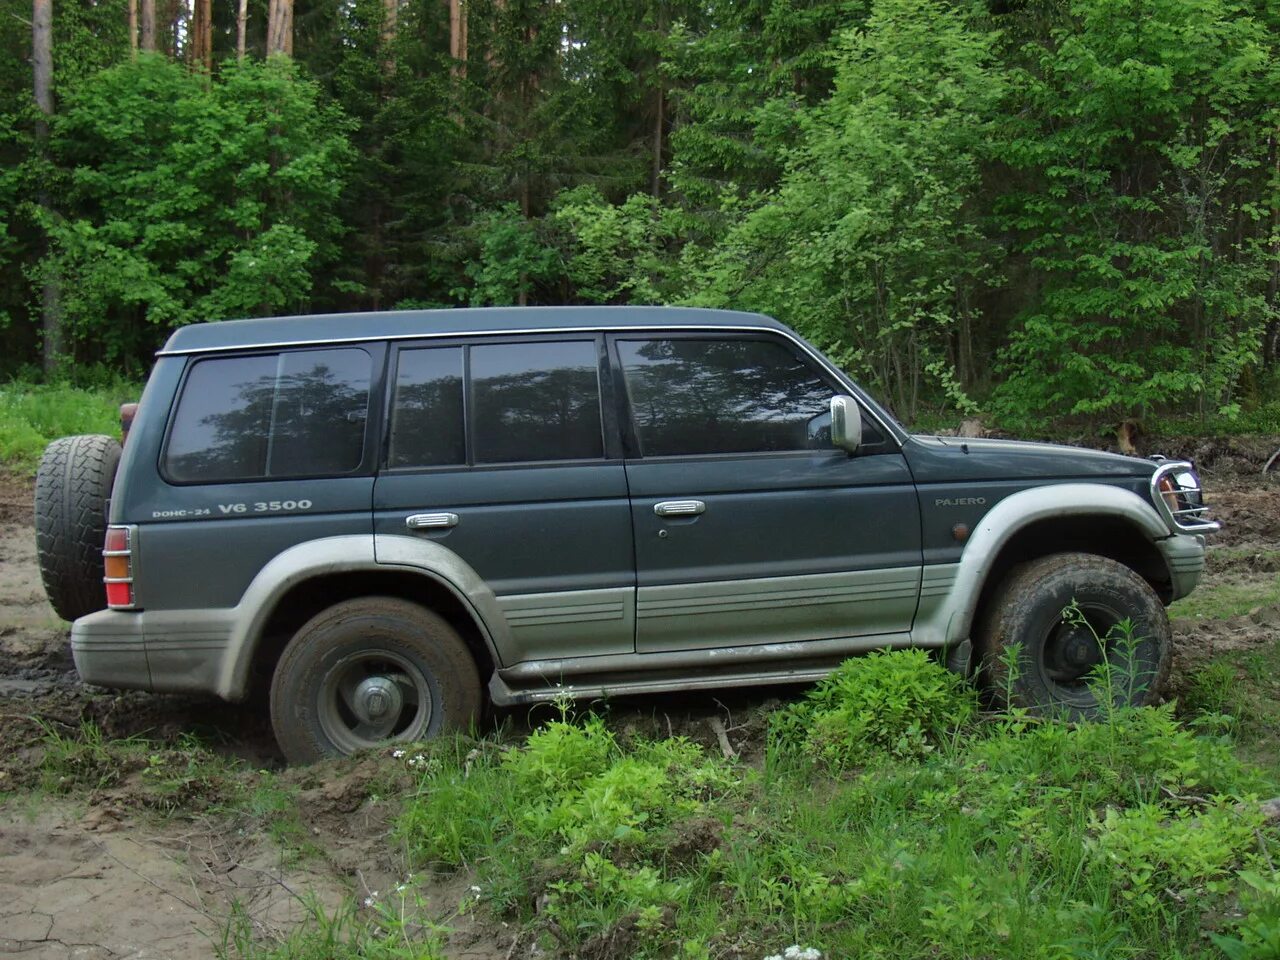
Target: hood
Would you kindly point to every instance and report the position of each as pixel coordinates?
(945, 459)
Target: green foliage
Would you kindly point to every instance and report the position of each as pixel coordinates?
(193, 200)
(510, 262)
(1257, 934)
(1154, 854)
(391, 929)
(1135, 142)
(870, 246)
(1054, 214)
(901, 704)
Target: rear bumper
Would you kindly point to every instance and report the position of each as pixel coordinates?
(1184, 556)
(164, 651)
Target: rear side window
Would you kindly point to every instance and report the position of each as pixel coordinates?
(692, 396)
(523, 402)
(536, 401)
(294, 414)
(426, 412)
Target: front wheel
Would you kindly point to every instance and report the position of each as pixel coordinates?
(1084, 627)
(367, 671)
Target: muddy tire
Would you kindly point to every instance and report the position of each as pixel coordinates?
(1058, 660)
(73, 485)
(367, 671)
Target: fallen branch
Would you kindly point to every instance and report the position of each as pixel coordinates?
(1267, 466)
(717, 727)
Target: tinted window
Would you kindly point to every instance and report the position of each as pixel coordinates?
(281, 415)
(723, 396)
(536, 401)
(426, 414)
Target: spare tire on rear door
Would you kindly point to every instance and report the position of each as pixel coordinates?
(73, 486)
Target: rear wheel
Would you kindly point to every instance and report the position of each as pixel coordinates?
(367, 671)
(73, 485)
(1115, 638)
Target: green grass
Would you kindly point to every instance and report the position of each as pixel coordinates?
(890, 820)
(32, 415)
(1222, 600)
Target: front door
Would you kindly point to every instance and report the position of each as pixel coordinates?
(750, 528)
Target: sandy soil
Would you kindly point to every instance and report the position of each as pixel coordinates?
(99, 876)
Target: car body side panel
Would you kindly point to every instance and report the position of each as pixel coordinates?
(540, 537)
(803, 546)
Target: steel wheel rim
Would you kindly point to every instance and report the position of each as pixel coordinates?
(1070, 652)
(371, 697)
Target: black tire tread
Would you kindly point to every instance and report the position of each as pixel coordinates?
(1013, 600)
(299, 741)
(73, 484)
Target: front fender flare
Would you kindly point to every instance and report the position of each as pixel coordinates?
(951, 621)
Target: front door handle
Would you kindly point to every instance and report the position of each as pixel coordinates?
(431, 521)
(679, 508)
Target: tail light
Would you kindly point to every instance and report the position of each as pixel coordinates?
(117, 561)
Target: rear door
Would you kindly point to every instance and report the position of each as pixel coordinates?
(750, 528)
(509, 451)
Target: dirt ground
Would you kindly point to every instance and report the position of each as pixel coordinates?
(94, 875)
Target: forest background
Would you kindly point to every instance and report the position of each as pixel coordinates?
(1049, 212)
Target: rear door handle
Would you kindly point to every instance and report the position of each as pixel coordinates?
(679, 508)
(431, 521)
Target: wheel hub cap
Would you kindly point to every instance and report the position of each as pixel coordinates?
(1080, 649)
(377, 699)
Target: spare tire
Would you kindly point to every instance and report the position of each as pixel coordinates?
(73, 486)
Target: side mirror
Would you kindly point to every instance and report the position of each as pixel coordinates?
(846, 423)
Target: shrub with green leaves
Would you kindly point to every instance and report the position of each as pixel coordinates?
(1257, 934)
(1154, 853)
(193, 199)
(902, 704)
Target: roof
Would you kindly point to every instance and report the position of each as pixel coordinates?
(413, 324)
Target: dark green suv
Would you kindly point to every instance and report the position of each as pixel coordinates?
(386, 515)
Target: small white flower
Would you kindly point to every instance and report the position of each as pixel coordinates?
(397, 754)
(476, 891)
(400, 888)
(368, 901)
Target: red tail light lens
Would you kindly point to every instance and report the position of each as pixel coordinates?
(117, 561)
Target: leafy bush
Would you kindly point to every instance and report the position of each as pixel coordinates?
(1153, 853)
(901, 704)
(195, 199)
(1257, 934)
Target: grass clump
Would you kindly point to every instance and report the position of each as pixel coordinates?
(891, 819)
(33, 415)
(899, 705)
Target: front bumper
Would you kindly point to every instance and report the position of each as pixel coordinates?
(1184, 556)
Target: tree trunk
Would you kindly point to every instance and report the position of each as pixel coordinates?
(1271, 334)
(280, 27)
(390, 22)
(42, 68)
(242, 19)
(174, 14)
(133, 29)
(149, 26)
(660, 118)
(201, 50)
(458, 37)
